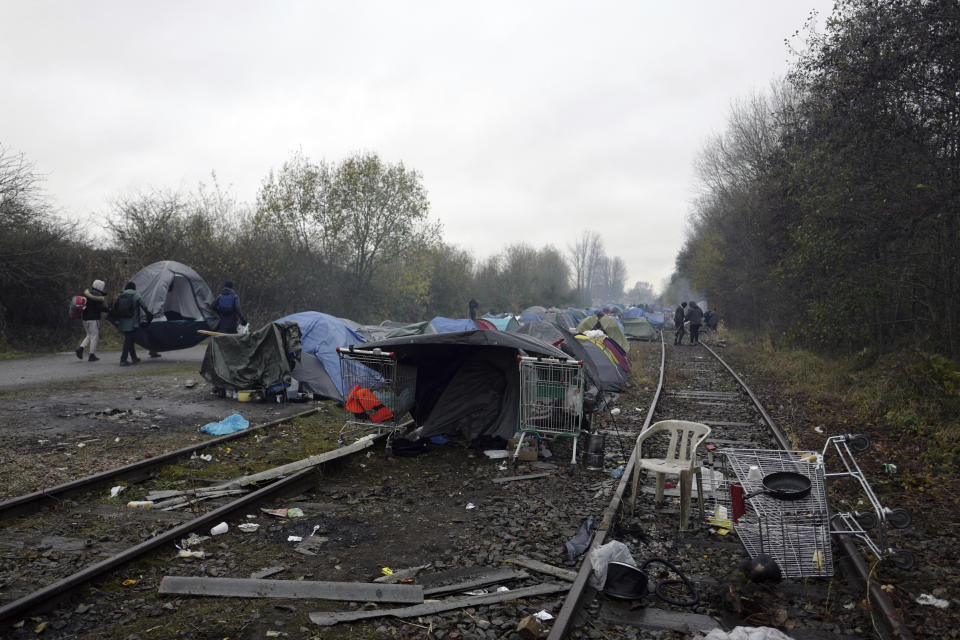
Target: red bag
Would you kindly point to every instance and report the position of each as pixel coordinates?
(77, 305)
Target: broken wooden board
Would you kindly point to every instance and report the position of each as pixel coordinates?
(493, 577)
(656, 619)
(319, 590)
(326, 619)
(543, 567)
(529, 476)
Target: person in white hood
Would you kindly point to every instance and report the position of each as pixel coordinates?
(96, 307)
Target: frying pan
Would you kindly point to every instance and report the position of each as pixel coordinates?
(784, 485)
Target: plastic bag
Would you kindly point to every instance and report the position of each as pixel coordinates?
(603, 555)
(236, 422)
(243, 329)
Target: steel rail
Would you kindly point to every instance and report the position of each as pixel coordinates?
(571, 604)
(30, 502)
(292, 484)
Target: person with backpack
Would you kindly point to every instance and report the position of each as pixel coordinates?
(126, 311)
(679, 319)
(228, 308)
(90, 314)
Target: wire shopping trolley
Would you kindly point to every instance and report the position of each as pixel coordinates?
(551, 399)
(378, 390)
(791, 526)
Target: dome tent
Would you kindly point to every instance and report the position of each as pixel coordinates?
(181, 303)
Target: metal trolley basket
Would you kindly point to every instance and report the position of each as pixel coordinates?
(378, 392)
(795, 533)
(551, 399)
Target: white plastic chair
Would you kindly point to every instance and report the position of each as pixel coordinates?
(680, 459)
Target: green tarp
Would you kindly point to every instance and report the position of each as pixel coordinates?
(639, 329)
(258, 360)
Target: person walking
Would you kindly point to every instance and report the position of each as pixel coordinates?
(228, 307)
(679, 317)
(695, 316)
(96, 307)
(126, 310)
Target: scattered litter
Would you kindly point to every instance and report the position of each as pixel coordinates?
(637, 409)
(265, 573)
(747, 633)
(117, 439)
(275, 634)
(818, 429)
(295, 513)
(233, 423)
(115, 491)
(477, 592)
(192, 540)
(280, 513)
(618, 472)
(316, 528)
(40, 627)
(495, 454)
(502, 589)
(387, 571)
(929, 600)
(186, 553)
(190, 384)
(502, 467)
(543, 615)
(615, 411)
(580, 542)
(219, 529)
(248, 527)
(890, 468)
(294, 538)
(669, 485)
(128, 582)
(206, 457)
(470, 505)
(81, 445)
(140, 504)
(849, 606)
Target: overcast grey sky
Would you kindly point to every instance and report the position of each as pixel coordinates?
(530, 121)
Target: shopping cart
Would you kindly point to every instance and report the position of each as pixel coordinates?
(551, 399)
(857, 523)
(378, 392)
(795, 532)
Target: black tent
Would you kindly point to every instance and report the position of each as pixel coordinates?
(468, 382)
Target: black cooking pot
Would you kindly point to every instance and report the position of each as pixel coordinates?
(625, 581)
(784, 485)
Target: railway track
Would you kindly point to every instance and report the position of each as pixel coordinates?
(454, 514)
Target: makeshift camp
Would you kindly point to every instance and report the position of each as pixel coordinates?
(261, 361)
(447, 325)
(468, 382)
(181, 303)
(623, 360)
(609, 326)
(318, 371)
(639, 329)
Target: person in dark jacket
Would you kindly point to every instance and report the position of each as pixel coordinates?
(695, 316)
(128, 325)
(228, 307)
(473, 305)
(96, 307)
(679, 317)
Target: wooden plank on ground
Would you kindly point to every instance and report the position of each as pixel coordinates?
(326, 619)
(529, 476)
(319, 590)
(656, 619)
(543, 567)
(493, 577)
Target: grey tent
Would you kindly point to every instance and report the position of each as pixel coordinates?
(639, 329)
(181, 303)
(468, 382)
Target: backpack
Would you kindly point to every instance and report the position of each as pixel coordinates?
(124, 306)
(77, 305)
(226, 303)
